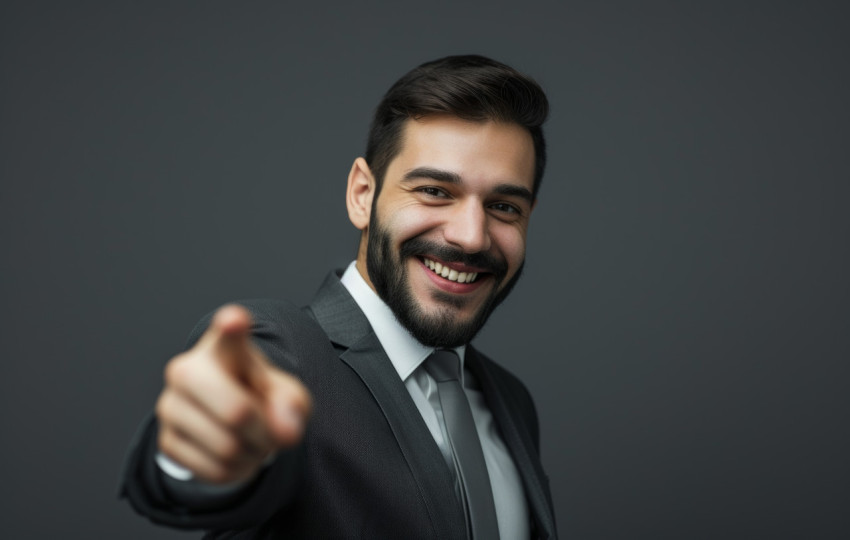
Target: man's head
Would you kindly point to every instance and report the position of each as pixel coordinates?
(444, 196)
(469, 87)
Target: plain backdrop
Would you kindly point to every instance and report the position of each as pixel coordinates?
(683, 319)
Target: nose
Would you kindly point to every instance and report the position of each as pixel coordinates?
(467, 228)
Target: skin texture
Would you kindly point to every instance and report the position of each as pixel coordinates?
(458, 192)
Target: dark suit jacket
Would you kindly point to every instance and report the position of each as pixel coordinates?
(368, 466)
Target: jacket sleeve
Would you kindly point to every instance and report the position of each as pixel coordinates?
(143, 483)
(143, 486)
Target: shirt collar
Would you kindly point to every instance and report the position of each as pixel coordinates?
(405, 353)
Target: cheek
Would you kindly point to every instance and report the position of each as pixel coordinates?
(409, 221)
(511, 244)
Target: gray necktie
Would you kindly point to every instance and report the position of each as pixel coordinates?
(480, 511)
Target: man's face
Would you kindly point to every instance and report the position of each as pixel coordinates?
(446, 235)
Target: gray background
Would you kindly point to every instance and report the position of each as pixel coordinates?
(683, 320)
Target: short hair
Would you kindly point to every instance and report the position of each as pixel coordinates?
(470, 87)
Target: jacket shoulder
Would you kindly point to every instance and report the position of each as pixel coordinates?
(285, 332)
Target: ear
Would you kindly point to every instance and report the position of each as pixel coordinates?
(358, 196)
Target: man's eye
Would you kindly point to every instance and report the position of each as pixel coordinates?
(505, 208)
(433, 192)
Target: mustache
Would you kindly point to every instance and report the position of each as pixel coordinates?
(485, 261)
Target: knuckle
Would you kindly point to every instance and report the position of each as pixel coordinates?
(301, 399)
(226, 471)
(166, 442)
(176, 371)
(238, 415)
(231, 451)
(162, 407)
(306, 400)
(218, 474)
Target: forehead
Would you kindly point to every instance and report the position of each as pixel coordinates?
(476, 151)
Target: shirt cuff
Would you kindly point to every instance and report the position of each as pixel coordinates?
(183, 487)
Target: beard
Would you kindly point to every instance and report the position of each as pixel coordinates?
(440, 328)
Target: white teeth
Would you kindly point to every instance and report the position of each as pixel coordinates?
(448, 273)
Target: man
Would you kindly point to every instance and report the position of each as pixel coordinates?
(443, 199)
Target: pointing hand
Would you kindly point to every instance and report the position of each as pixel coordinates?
(225, 408)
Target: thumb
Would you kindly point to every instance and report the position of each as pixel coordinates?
(288, 406)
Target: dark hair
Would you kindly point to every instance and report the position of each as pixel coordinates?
(470, 87)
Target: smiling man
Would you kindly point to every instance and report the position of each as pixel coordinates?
(412, 433)
(445, 241)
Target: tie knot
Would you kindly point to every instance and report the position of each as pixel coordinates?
(443, 366)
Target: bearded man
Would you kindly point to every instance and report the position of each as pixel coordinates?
(367, 414)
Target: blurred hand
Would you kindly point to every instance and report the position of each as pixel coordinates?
(225, 408)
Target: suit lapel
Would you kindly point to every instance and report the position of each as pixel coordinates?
(519, 442)
(348, 328)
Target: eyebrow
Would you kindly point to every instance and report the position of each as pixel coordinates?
(434, 174)
(509, 190)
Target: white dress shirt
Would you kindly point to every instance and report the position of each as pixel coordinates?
(407, 355)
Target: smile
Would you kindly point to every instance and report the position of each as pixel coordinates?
(449, 273)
